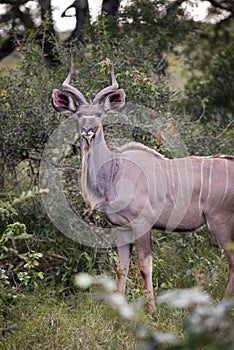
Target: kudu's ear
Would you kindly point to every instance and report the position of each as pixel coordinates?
(115, 101)
(62, 102)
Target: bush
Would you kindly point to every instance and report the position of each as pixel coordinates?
(19, 263)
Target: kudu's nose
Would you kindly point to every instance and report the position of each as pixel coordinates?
(87, 133)
(86, 130)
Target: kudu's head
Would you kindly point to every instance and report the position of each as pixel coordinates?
(110, 99)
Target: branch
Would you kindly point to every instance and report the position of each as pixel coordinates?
(64, 12)
(13, 13)
(82, 15)
(78, 5)
(25, 18)
(9, 44)
(224, 5)
(7, 17)
(13, 2)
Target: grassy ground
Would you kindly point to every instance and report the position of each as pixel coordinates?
(43, 319)
(44, 322)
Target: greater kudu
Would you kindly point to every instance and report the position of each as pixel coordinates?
(138, 189)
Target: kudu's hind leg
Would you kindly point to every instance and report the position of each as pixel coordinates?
(230, 259)
(222, 226)
(144, 251)
(124, 253)
(229, 253)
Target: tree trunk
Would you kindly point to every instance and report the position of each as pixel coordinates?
(110, 10)
(82, 17)
(110, 7)
(47, 38)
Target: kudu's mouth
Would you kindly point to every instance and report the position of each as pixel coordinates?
(88, 134)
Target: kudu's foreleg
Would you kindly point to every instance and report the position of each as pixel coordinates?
(124, 254)
(144, 252)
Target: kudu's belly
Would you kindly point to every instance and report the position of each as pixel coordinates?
(180, 220)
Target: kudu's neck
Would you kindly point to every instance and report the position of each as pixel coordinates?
(95, 157)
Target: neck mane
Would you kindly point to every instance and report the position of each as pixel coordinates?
(135, 146)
